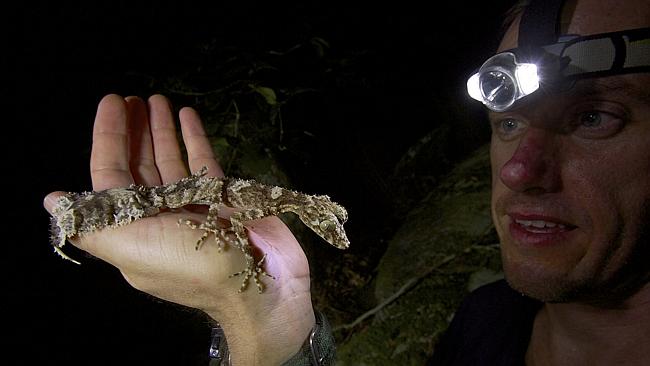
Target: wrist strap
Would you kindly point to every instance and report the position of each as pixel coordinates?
(218, 353)
(318, 350)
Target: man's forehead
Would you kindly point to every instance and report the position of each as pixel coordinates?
(586, 17)
(633, 86)
(600, 16)
(629, 89)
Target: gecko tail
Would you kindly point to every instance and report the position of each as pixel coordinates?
(58, 238)
(58, 251)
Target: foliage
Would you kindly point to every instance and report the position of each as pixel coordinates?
(448, 243)
(276, 116)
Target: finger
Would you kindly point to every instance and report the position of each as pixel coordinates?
(199, 149)
(141, 162)
(167, 152)
(109, 158)
(50, 200)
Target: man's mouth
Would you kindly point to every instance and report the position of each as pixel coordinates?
(538, 230)
(540, 226)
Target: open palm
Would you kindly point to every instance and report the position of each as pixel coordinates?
(135, 142)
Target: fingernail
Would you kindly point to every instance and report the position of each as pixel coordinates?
(49, 203)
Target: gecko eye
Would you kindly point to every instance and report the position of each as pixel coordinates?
(326, 225)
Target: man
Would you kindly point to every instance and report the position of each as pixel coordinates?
(571, 204)
(571, 196)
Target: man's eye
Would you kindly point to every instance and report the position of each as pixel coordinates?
(591, 119)
(598, 124)
(507, 128)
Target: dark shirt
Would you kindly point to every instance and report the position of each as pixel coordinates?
(491, 327)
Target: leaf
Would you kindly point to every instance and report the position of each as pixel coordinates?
(320, 45)
(267, 93)
(221, 146)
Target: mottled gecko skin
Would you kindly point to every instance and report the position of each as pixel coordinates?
(82, 213)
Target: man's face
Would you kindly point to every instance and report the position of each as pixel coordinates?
(571, 178)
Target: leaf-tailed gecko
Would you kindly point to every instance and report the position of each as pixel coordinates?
(82, 213)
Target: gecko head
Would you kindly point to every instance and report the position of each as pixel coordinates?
(326, 218)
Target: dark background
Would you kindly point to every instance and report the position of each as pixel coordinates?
(60, 59)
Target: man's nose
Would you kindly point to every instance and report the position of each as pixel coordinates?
(533, 167)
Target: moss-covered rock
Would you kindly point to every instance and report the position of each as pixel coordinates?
(426, 270)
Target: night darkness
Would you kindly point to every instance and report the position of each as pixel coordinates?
(63, 58)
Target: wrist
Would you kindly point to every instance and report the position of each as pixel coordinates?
(319, 349)
(268, 335)
(273, 343)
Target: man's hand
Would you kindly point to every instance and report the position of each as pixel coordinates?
(135, 142)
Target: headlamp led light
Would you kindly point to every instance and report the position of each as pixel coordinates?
(501, 81)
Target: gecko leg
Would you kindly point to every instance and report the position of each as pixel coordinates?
(209, 226)
(253, 270)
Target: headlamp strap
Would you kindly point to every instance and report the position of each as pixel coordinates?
(607, 53)
(539, 23)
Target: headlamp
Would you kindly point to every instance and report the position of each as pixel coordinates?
(545, 60)
(501, 81)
